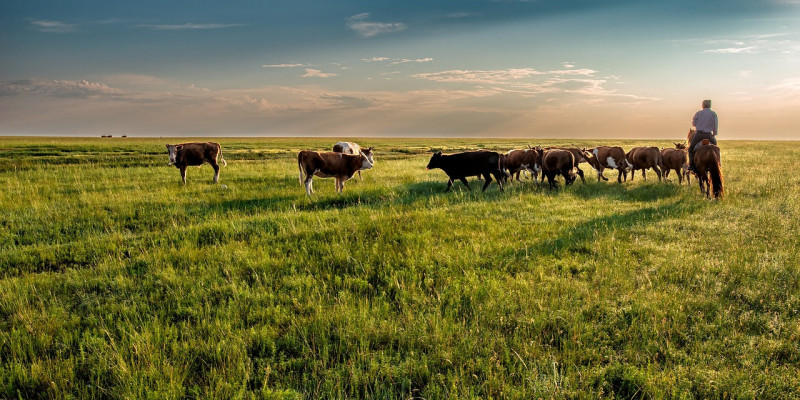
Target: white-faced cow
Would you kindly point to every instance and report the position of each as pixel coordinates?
(195, 154)
(354, 148)
(516, 161)
(676, 159)
(340, 166)
(556, 162)
(461, 165)
(607, 157)
(643, 158)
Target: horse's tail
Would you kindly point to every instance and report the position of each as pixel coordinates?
(717, 180)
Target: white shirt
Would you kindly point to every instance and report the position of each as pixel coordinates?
(706, 120)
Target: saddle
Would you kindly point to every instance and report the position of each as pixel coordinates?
(704, 142)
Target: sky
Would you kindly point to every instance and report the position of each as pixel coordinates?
(372, 68)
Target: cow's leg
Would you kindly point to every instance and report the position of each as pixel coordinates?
(488, 179)
(464, 181)
(183, 174)
(449, 185)
(359, 176)
(580, 173)
(551, 179)
(644, 174)
(309, 184)
(658, 172)
(497, 175)
(619, 176)
(216, 171)
(341, 186)
(519, 172)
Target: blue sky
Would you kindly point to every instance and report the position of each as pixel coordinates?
(504, 68)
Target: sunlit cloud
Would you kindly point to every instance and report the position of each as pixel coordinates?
(360, 24)
(53, 26)
(480, 76)
(56, 88)
(315, 73)
(731, 50)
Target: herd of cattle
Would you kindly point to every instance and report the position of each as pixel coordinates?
(349, 158)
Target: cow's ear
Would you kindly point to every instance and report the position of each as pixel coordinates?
(438, 153)
(178, 147)
(167, 146)
(369, 149)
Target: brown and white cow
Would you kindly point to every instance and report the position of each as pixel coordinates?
(643, 158)
(607, 157)
(579, 158)
(516, 161)
(676, 159)
(195, 154)
(340, 166)
(557, 162)
(354, 148)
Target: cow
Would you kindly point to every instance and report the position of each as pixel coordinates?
(340, 166)
(603, 157)
(676, 159)
(461, 165)
(579, 158)
(195, 154)
(354, 148)
(643, 158)
(556, 162)
(516, 161)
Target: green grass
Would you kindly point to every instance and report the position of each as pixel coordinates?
(118, 282)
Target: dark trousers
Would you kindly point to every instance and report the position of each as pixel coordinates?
(698, 137)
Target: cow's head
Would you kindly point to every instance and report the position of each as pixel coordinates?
(173, 150)
(366, 163)
(368, 153)
(680, 146)
(435, 160)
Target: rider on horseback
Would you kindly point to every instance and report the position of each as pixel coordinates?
(706, 124)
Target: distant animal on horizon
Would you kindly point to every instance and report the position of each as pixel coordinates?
(339, 166)
(471, 163)
(195, 154)
(708, 169)
(676, 159)
(642, 158)
(607, 157)
(354, 148)
(556, 162)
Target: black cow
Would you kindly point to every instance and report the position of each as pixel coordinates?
(461, 165)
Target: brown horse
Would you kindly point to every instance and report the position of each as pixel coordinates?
(709, 172)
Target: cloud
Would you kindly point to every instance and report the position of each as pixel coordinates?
(360, 24)
(395, 61)
(56, 88)
(480, 76)
(285, 65)
(376, 59)
(187, 26)
(340, 101)
(53, 26)
(315, 73)
(731, 50)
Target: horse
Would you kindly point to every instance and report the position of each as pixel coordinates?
(708, 170)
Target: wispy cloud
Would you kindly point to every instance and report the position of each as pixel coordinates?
(187, 26)
(395, 61)
(315, 73)
(731, 50)
(53, 26)
(360, 24)
(56, 88)
(489, 77)
(285, 65)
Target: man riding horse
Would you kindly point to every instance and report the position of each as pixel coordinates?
(706, 125)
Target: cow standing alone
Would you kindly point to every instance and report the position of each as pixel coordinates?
(354, 148)
(195, 154)
(340, 166)
(461, 165)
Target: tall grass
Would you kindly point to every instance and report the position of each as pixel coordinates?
(116, 281)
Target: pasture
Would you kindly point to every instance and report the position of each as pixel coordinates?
(116, 281)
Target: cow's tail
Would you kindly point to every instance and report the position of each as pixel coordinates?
(300, 167)
(221, 158)
(717, 181)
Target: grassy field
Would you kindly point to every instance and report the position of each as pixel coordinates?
(116, 281)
